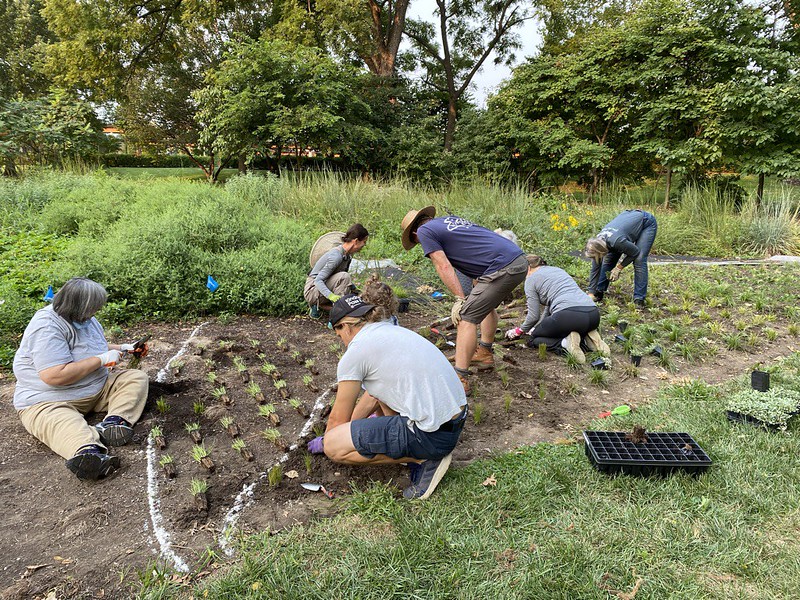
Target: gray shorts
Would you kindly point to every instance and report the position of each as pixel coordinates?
(490, 290)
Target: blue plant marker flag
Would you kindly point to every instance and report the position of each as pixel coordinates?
(49, 295)
(212, 284)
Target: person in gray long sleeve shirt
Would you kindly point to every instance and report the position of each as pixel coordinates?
(571, 319)
(329, 278)
(626, 239)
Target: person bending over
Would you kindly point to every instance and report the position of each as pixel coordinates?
(62, 370)
(418, 400)
(571, 318)
(628, 237)
(329, 278)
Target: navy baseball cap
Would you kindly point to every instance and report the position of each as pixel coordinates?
(348, 306)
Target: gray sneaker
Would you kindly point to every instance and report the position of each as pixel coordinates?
(92, 463)
(426, 477)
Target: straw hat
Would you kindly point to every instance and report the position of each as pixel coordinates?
(324, 244)
(410, 220)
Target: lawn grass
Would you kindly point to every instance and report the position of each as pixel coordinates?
(553, 527)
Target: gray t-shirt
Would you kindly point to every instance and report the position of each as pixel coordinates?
(404, 371)
(50, 340)
(333, 261)
(552, 287)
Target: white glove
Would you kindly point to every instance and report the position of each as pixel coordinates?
(126, 348)
(455, 312)
(615, 273)
(513, 334)
(110, 358)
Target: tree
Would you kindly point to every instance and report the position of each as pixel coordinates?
(469, 32)
(23, 35)
(268, 95)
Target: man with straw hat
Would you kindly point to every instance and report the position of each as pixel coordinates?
(496, 265)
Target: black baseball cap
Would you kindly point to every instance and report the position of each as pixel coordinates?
(348, 306)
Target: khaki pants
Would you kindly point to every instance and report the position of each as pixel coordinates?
(338, 283)
(61, 425)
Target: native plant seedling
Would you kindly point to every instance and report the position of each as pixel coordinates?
(268, 412)
(542, 390)
(298, 357)
(630, 371)
(240, 447)
(268, 368)
(734, 341)
(221, 394)
(770, 334)
(503, 377)
(255, 344)
(167, 464)
(280, 385)
(229, 426)
(198, 407)
(211, 377)
(507, 401)
(307, 462)
(255, 391)
(199, 488)
(209, 364)
(157, 435)
(275, 476)
(176, 366)
(572, 362)
(308, 381)
(298, 406)
(573, 389)
(162, 406)
(319, 429)
(715, 328)
(282, 344)
(201, 454)
(241, 368)
(193, 429)
(793, 329)
(772, 408)
(311, 366)
(274, 436)
(542, 351)
(477, 412)
(225, 345)
(335, 348)
(598, 377)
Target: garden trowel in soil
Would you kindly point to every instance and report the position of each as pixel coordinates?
(316, 487)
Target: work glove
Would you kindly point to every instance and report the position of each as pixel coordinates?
(316, 446)
(126, 348)
(513, 334)
(110, 358)
(615, 273)
(334, 297)
(455, 312)
(141, 352)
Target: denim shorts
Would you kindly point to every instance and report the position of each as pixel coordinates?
(391, 436)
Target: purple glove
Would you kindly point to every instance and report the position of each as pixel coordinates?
(316, 446)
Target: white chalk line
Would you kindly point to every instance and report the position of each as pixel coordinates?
(156, 518)
(245, 497)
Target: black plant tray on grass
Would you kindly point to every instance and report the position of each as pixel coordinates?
(662, 454)
(737, 417)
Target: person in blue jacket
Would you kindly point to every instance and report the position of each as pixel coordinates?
(626, 239)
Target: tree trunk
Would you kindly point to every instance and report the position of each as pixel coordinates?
(450, 130)
(760, 189)
(242, 164)
(669, 187)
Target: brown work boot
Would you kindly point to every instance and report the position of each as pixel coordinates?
(465, 382)
(483, 359)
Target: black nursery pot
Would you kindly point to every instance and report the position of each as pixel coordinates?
(620, 339)
(599, 364)
(623, 325)
(636, 360)
(403, 305)
(657, 351)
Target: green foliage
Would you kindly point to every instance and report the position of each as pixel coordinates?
(774, 407)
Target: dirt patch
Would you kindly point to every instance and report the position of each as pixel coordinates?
(88, 540)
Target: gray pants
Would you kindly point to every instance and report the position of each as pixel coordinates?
(338, 283)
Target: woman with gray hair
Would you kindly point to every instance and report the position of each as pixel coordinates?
(628, 237)
(62, 370)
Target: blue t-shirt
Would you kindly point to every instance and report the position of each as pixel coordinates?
(470, 248)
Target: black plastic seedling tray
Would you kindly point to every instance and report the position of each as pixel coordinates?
(737, 417)
(662, 454)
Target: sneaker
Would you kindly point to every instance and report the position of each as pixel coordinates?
(639, 303)
(91, 462)
(428, 476)
(114, 431)
(315, 312)
(572, 344)
(596, 344)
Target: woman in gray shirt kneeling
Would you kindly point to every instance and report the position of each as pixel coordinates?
(570, 318)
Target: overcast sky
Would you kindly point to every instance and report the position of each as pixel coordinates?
(490, 76)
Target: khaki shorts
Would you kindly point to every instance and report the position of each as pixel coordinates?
(490, 290)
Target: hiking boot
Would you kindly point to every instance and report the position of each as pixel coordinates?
(465, 382)
(596, 344)
(572, 344)
(92, 463)
(483, 359)
(639, 303)
(426, 476)
(114, 431)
